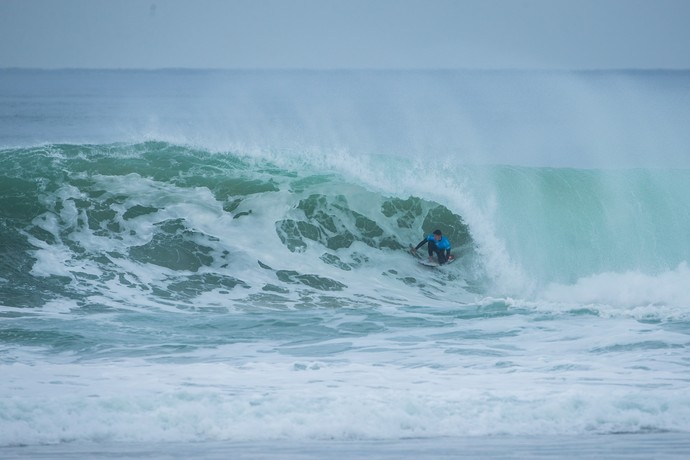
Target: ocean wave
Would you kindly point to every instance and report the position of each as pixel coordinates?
(175, 223)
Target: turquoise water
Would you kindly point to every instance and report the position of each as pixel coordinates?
(167, 278)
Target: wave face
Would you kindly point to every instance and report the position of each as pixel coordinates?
(560, 225)
(162, 290)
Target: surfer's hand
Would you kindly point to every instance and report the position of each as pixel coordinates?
(413, 250)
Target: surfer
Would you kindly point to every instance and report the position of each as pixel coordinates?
(438, 244)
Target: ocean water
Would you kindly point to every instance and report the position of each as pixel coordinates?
(214, 264)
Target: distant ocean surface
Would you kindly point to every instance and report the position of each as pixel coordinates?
(214, 264)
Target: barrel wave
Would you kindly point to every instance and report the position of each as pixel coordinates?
(86, 215)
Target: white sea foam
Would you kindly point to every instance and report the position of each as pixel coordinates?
(633, 289)
(315, 400)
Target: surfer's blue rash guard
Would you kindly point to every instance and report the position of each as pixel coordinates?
(443, 244)
(441, 248)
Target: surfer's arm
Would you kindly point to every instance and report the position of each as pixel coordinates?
(421, 243)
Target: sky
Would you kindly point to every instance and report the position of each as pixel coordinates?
(337, 34)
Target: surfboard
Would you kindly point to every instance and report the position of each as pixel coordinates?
(426, 262)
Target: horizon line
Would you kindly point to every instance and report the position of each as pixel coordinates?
(354, 69)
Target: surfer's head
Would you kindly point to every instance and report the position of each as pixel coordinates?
(437, 235)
